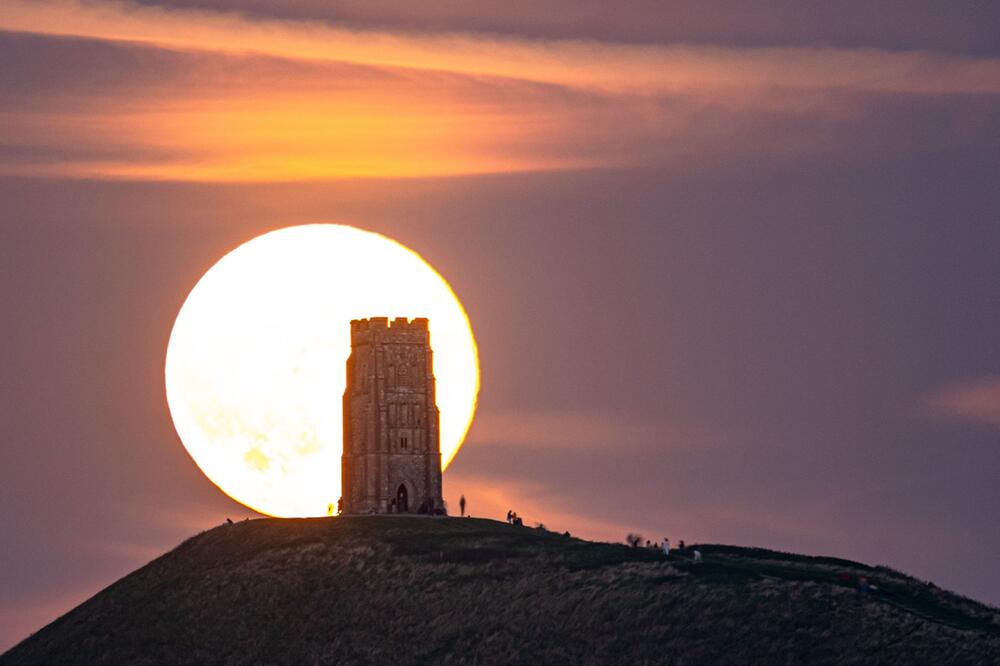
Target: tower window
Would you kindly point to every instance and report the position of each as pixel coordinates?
(402, 442)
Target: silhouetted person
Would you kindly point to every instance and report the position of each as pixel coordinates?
(666, 546)
(680, 544)
(228, 521)
(510, 516)
(461, 505)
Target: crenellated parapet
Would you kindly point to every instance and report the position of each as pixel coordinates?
(381, 329)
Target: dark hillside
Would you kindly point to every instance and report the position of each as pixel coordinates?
(416, 590)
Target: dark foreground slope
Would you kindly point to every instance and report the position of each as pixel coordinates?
(406, 590)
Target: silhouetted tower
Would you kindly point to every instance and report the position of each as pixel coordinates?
(392, 454)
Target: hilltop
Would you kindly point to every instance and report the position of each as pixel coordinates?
(400, 590)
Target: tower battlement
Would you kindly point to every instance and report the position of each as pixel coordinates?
(392, 453)
(399, 329)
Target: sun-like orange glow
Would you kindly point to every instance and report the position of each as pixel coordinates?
(300, 135)
(255, 367)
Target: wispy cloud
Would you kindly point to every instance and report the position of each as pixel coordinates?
(126, 91)
(581, 430)
(976, 401)
(142, 113)
(114, 110)
(643, 69)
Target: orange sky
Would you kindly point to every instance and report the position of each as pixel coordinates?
(424, 104)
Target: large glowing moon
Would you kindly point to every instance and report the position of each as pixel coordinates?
(255, 367)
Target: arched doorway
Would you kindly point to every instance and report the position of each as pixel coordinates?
(401, 501)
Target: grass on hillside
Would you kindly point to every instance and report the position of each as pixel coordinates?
(477, 541)
(376, 589)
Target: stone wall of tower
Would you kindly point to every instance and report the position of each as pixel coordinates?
(391, 419)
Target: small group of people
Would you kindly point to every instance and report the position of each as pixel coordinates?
(665, 545)
(514, 519)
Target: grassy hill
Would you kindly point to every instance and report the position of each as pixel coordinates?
(404, 590)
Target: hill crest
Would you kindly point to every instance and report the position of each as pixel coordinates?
(408, 590)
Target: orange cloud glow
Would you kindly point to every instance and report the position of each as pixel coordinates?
(260, 100)
(643, 69)
(242, 126)
(291, 139)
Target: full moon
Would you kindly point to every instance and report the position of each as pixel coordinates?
(255, 366)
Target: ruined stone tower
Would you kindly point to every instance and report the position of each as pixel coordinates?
(392, 456)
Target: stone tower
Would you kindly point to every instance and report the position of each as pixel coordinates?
(392, 455)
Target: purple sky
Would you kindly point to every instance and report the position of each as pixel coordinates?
(738, 281)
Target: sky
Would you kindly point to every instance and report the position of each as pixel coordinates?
(732, 267)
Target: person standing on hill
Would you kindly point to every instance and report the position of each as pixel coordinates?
(461, 505)
(666, 547)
